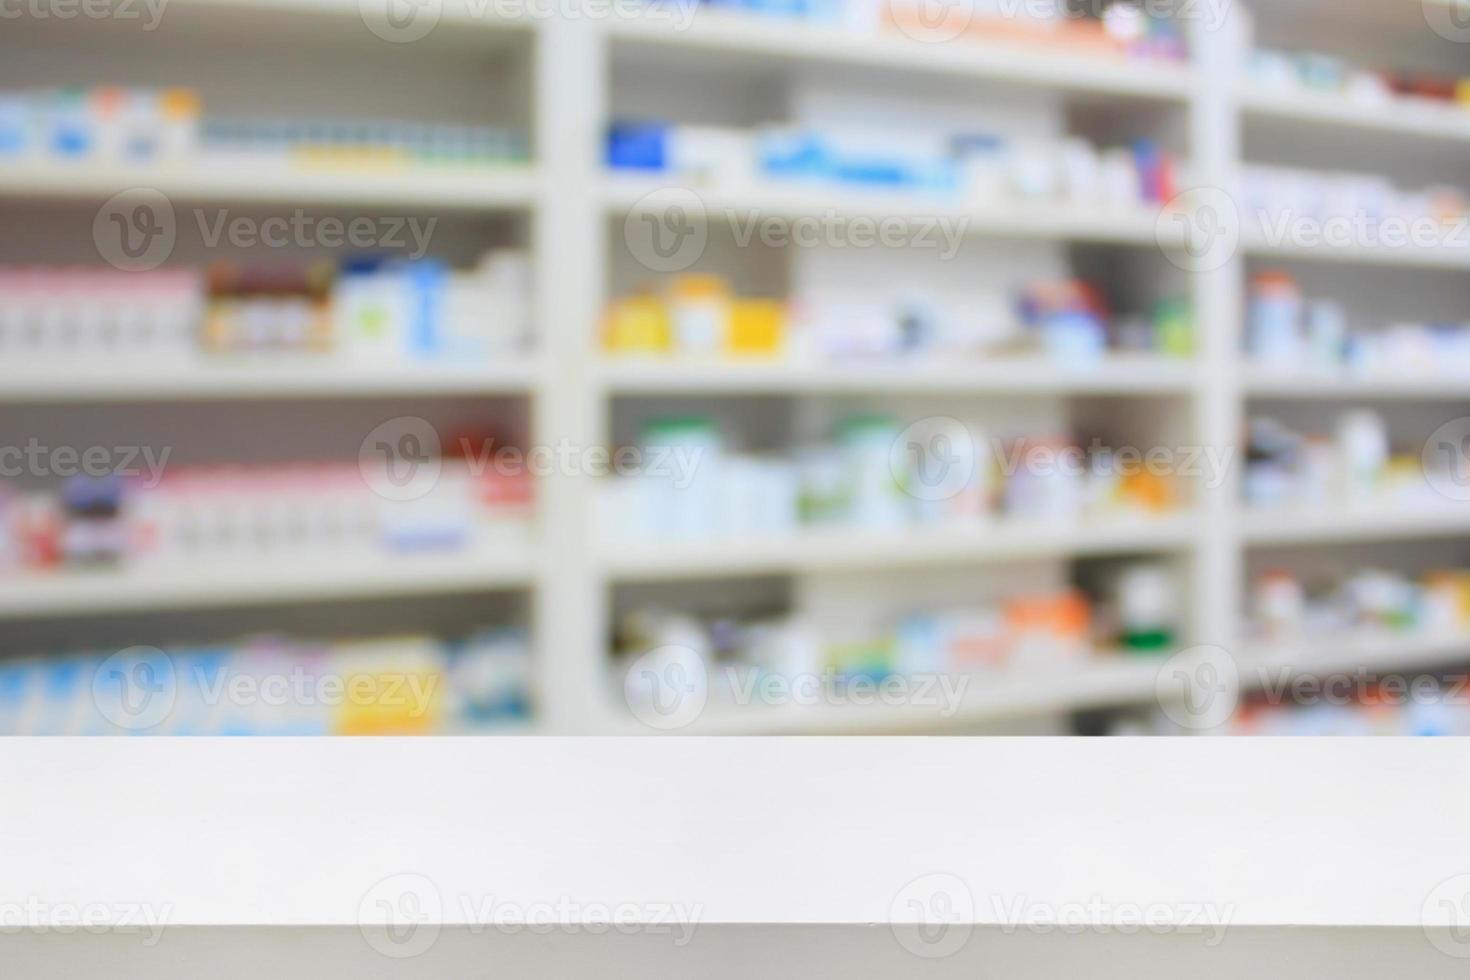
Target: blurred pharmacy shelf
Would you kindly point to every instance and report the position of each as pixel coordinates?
(1264, 383)
(249, 181)
(1103, 680)
(772, 41)
(1107, 679)
(847, 550)
(259, 582)
(1114, 375)
(1397, 118)
(1345, 524)
(245, 379)
(1117, 226)
(1453, 253)
(452, 15)
(570, 391)
(1377, 651)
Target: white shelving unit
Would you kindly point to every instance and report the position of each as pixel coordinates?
(265, 380)
(249, 181)
(568, 203)
(290, 580)
(1118, 375)
(775, 42)
(1428, 122)
(1055, 222)
(835, 551)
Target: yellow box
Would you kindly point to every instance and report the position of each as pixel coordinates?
(757, 326)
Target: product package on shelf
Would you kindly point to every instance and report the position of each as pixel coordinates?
(135, 126)
(1069, 322)
(712, 491)
(369, 311)
(1024, 634)
(210, 516)
(400, 685)
(970, 168)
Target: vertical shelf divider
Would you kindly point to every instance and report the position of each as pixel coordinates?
(570, 93)
(1215, 149)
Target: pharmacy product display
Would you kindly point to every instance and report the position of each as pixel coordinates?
(370, 310)
(1313, 209)
(401, 685)
(1420, 705)
(130, 125)
(1018, 633)
(1286, 608)
(1071, 322)
(1125, 29)
(869, 479)
(1395, 705)
(1355, 465)
(1287, 333)
(1403, 91)
(976, 168)
(218, 515)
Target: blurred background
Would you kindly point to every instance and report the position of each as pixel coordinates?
(781, 366)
